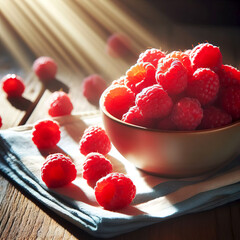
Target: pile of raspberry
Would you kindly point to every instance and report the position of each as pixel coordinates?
(181, 90)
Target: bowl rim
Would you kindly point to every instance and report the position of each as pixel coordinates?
(202, 131)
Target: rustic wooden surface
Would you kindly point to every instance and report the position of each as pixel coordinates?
(20, 216)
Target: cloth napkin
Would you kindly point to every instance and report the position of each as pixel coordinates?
(157, 198)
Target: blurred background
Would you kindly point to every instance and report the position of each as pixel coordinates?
(75, 32)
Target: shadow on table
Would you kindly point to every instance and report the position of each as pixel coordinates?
(56, 85)
(20, 103)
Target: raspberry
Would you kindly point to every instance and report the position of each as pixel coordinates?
(118, 99)
(96, 166)
(151, 56)
(187, 114)
(184, 59)
(46, 134)
(120, 81)
(206, 55)
(188, 52)
(45, 68)
(166, 124)
(13, 85)
(140, 76)
(58, 170)
(172, 75)
(93, 87)
(214, 117)
(0, 122)
(134, 116)
(118, 45)
(228, 76)
(154, 102)
(60, 104)
(94, 139)
(230, 101)
(203, 85)
(115, 191)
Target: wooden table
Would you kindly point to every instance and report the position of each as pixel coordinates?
(31, 29)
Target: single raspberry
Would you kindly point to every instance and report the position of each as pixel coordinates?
(93, 87)
(154, 102)
(13, 85)
(187, 114)
(228, 76)
(60, 104)
(214, 117)
(0, 122)
(46, 134)
(203, 85)
(115, 191)
(140, 76)
(184, 59)
(206, 55)
(134, 116)
(230, 101)
(151, 56)
(45, 68)
(118, 45)
(96, 166)
(118, 99)
(188, 52)
(166, 124)
(172, 75)
(94, 139)
(58, 170)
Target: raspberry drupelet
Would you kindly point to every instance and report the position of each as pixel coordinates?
(187, 114)
(94, 139)
(203, 85)
(172, 75)
(154, 102)
(115, 191)
(96, 166)
(152, 56)
(58, 170)
(60, 104)
(13, 85)
(46, 134)
(206, 55)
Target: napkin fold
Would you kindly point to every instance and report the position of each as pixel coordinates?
(157, 198)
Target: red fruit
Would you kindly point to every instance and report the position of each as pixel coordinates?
(172, 75)
(152, 56)
(93, 87)
(118, 45)
(228, 76)
(166, 124)
(230, 101)
(203, 85)
(134, 116)
(140, 76)
(60, 104)
(46, 134)
(214, 117)
(0, 122)
(96, 166)
(115, 191)
(154, 102)
(13, 85)
(120, 81)
(118, 99)
(45, 68)
(94, 139)
(184, 59)
(206, 55)
(187, 114)
(58, 170)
